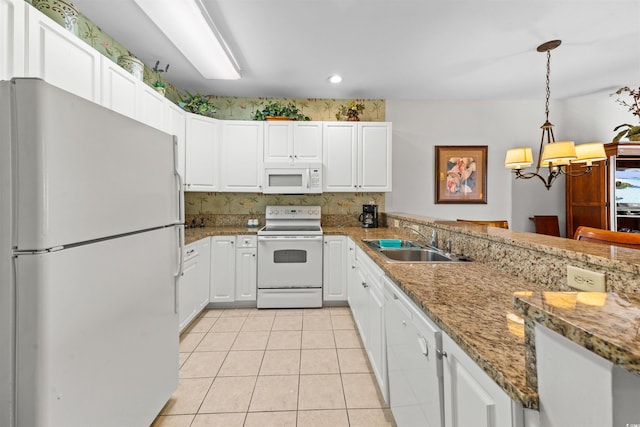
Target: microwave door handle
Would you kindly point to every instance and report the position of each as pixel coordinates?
(308, 178)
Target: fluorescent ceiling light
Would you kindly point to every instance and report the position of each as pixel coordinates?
(190, 28)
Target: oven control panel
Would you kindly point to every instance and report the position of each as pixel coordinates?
(293, 212)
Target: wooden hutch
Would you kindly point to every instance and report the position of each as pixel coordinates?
(590, 199)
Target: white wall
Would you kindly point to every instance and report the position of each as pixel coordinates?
(420, 125)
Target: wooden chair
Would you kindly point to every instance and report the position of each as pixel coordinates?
(501, 223)
(547, 224)
(607, 237)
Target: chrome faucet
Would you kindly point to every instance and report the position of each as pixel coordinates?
(434, 236)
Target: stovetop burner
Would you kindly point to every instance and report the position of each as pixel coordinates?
(276, 228)
(292, 220)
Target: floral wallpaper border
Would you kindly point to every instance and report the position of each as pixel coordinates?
(320, 109)
(229, 107)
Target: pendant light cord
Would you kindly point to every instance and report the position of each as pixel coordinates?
(548, 81)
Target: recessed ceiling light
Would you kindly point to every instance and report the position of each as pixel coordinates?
(335, 79)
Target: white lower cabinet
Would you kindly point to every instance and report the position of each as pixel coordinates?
(193, 293)
(223, 269)
(246, 279)
(579, 388)
(335, 269)
(471, 397)
(234, 269)
(414, 368)
(366, 297)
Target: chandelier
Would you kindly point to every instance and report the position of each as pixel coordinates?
(556, 156)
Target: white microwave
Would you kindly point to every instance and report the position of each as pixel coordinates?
(301, 178)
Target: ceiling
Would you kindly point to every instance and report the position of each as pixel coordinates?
(400, 49)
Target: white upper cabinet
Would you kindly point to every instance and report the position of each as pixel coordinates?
(339, 146)
(119, 91)
(292, 141)
(357, 156)
(61, 58)
(202, 134)
(151, 107)
(241, 154)
(12, 38)
(374, 156)
(176, 118)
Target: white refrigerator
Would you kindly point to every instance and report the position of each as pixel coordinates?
(91, 251)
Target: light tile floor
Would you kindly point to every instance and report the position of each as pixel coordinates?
(294, 367)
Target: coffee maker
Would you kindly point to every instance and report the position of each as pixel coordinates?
(369, 216)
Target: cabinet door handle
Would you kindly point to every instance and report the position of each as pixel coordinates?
(364, 285)
(253, 255)
(440, 353)
(422, 342)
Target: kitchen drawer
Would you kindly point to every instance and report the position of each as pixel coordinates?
(246, 241)
(190, 251)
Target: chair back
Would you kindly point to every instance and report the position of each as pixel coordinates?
(501, 223)
(607, 237)
(547, 224)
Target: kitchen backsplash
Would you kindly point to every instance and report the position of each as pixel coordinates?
(233, 209)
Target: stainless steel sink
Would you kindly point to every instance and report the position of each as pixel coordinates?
(376, 244)
(410, 251)
(414, 255)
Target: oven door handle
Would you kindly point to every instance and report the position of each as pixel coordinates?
(288, 238)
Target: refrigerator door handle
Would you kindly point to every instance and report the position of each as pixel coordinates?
(178, 179)
(178, 274)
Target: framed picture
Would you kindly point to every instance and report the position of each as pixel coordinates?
(461, 174)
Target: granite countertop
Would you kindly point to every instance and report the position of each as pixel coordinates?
(608, 324)
(606, 256)
(193, 234)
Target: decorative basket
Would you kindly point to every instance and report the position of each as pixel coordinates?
(132, 64)
(61, 11)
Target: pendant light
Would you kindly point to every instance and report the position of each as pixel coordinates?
(556, 156)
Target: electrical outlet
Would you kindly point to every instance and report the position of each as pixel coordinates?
(396, 223)
(585, 280)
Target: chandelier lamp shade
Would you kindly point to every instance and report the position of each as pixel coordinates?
(556, 156)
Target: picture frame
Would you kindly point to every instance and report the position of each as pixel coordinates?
(461, 174)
